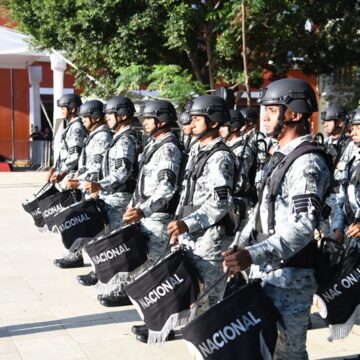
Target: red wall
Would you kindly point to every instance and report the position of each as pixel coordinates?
(21, 107)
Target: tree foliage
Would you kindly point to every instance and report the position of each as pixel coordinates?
(182, 46)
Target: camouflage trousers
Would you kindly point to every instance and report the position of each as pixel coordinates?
(115, 206)
(205, 252)
(294, 306)
(155, 229)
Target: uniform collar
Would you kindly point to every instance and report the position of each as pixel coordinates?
(290, 146)
(100, 128)
(234, 141)
(118, 133)
(211, 144)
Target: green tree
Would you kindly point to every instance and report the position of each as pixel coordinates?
(123, 43)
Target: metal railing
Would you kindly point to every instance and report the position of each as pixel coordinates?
(37, 153)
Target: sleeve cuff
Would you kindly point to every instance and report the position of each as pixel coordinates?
(257, 254)
(192, 223)
(145, 209)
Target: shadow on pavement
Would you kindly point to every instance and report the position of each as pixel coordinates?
(70, 323)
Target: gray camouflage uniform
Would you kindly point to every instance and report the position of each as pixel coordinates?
(157, 183)
(291, 289)
(332, 200)
(71, 145)
(117, 169)
(211, 200)
(350, 191)
(93, 152)
(89, 164)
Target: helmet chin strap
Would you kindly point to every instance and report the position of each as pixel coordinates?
(282, 123)
(118, 122)
(205, 132)
(157, 127)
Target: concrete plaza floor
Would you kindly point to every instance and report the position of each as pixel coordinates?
(45, 314)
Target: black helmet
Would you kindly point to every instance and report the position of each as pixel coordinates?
(185, 118)
(161, 110)
(69, 101)
(237, 121)
(355, 117)
(211, 106)
(333, 112)
(250, 115)
(295, 94)
(120, 105)
(92, 108)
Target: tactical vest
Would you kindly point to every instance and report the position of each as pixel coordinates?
(63, 139)
(274, 174)
(193, 174)
(87, 142)
(138, 195)
(350, 217)
(130, 183)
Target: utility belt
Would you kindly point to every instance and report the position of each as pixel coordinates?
(304, 259)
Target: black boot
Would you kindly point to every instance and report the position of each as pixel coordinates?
(138, 329)
(114, 300)
(69, 264)
(143, 336)
(87, 279)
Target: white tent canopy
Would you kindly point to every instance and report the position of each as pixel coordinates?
(15, 51)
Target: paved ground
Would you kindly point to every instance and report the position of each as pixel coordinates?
(45, 314)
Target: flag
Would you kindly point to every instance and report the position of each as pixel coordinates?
(31, 206)
(242, 326)
(116, 254)
(86, 219)
(165, 295)
(53, 204)
(339, 303)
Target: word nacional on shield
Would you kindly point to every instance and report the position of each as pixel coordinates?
(84, 220)
(165, 295)
(116, 254)
(339, 303)
(242, 326)
(53, 204)
(31, 206)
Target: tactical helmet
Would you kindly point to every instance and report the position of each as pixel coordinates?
(92, 108)
(211, 106)
(250, 115)
(185, 118)
(355, 117)
(237, 121)
(69, 101)
(333, 112)
(296, 94)
(161, 110)
(120, 105)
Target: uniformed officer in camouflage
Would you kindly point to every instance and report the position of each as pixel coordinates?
(72, 140)
(89, 164)
(347, 215)
(117, 179)
(334, 119)
(187, 138)
(95, 145)
(230, 132)
(297, 211)
(206, 196)
(159, 166)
